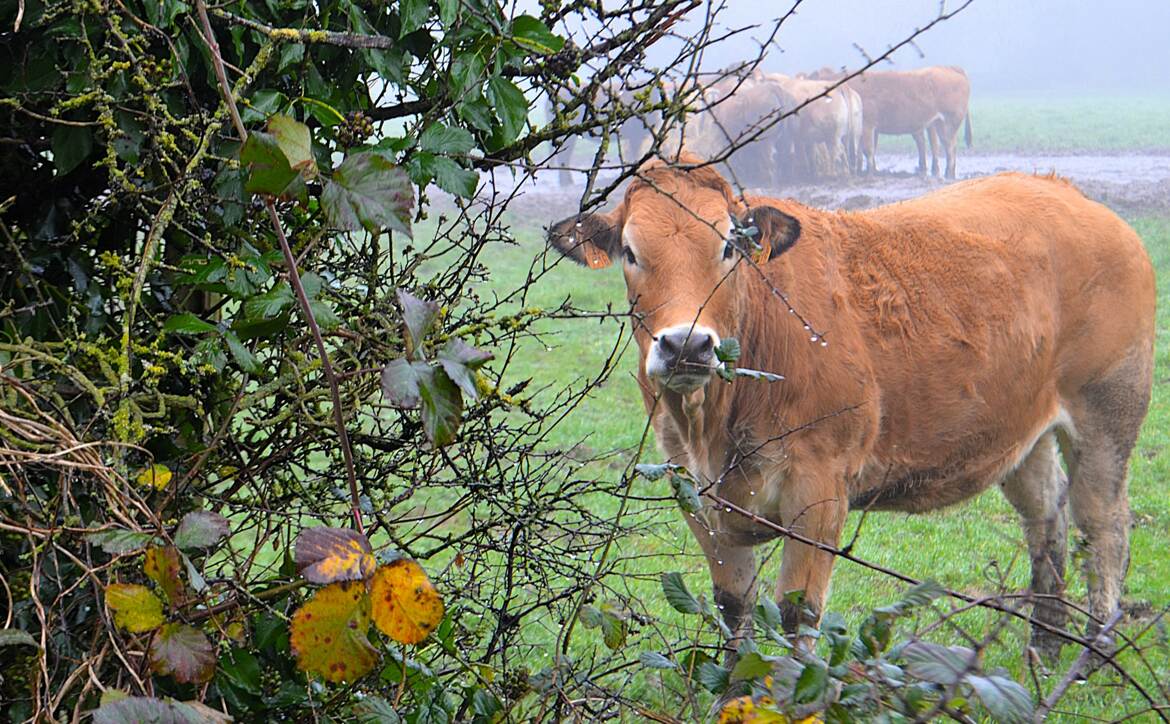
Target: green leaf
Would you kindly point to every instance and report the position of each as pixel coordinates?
(728, 350)
(713, 677)
(750, 666)
(936, 663)
(148, 710)
(531, 34)
(269, 171)
(613, 627)
(448, 12)
(466, 74)
(767, 615)
(262, 104)
(296, 143)
(685, 492)
(811, 685)
(374, 710)
(460, 361)
(655, 660)
(412, 14)
(652, 471)
(590, 616)
(183, 652)
(187, 323)
(71, 145)
(1005, 700)
(244, 357)
(401, 379)
(914, 597)
(16, 637)
(201, 529)
(510, 105)
(442, 408)
(418, 315)
(677, 594)
(368, 191)
(271, 303)
(119, 540)
(324, 314)
(449, 175)
(438, 138)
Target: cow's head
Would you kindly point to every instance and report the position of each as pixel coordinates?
(679, 236)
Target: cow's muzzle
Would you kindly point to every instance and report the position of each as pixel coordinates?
(682, 357)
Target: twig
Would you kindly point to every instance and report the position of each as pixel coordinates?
(1074, 671)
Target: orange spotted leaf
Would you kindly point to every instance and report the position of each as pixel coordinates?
(328, 633)
(407, 608)
(328, 555)
(136, 608)
(162, 566)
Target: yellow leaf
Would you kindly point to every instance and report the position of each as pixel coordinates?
(327, 555)
(156, 476)
(162, 566)
(407, 608)
(745, 710)
(136, 608)
(328, 633)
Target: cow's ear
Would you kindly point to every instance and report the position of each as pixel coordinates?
(588, 239)
(776, 232)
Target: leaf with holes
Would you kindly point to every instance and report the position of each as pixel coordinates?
(156, 476)
(183, 652)
(1006, 700)
(400, 382)
(119, 540)
(161, 565)
(418, 315)
(407, 608)
(328, 634)
(296, 143)
(442, 408)
(201, 529)
(677, 594)
(327, 555)
(136, 608)
(368, 191)
(460, 361)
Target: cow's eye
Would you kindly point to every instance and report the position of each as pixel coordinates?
(728, 249)
(630, 258)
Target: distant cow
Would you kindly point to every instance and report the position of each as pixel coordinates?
(931, 349)
(629, 138)
(832, 119)
(914, 102)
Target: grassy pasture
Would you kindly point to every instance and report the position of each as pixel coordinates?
(960, 547)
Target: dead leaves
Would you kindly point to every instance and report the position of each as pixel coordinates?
(407, 608)
(329, 633)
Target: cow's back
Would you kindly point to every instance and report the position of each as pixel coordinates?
(984, 308)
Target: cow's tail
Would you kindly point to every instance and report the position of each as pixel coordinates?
(967, 130)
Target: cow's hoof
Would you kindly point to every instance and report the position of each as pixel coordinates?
(1047, 645)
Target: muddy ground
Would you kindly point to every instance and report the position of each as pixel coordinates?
(1133, 185)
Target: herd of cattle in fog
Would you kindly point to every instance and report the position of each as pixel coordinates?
(833, 132)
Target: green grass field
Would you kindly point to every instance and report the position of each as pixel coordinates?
(958, 547)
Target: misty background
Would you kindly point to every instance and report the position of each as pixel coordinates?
(1006, 46)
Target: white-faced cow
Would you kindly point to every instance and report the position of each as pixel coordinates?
(971, 335)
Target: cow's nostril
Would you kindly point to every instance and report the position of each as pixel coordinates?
(668, 344)
(707, 343)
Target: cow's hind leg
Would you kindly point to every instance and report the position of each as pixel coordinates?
(1038, 490)
(1106, 420)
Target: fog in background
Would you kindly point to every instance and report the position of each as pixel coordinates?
(1006, 46)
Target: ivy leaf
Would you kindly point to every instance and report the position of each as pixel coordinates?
(183, 652)
(269, 170)
(119, 540)
(156, 476)
(438, 138)
(442, 408)
(460, 361)
(328, 634)
(327, 555)
(677, 594)
(161, 565)
(201, 529)
(368, 191)
(400, 382)
(1005, 699)
(187, 323)
(295, 141)
(136, 608)
(533, 35)
(938, 664)
(510, 105)
(406, 606)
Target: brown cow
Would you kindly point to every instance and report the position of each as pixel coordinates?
(954, 342)
(916, 102)
(832, 120)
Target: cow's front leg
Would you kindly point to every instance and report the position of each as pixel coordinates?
(733, 576)
(817, 511)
